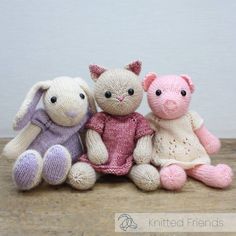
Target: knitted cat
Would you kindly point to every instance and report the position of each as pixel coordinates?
(118, 136)
(181, 142)
(51, 133)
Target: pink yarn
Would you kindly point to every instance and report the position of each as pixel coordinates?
(173, 177)
(119, 134)
(219, 176)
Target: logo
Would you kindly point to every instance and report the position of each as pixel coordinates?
(127, 222)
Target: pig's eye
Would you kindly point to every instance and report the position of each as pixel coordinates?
(158, 92)
(183, 93)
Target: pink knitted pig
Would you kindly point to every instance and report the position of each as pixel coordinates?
(181, 143)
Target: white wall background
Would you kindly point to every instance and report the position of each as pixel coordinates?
(43, 39)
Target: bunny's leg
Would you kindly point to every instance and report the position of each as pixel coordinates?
(82, 176)
(27, 170)
(145, 177)
(172, 177)
(219, 176)
(56, 164)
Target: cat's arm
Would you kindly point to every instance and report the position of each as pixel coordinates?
(209, 141)
(21, 142)
(96, 149)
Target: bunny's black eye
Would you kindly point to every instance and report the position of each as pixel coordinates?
(183, 93)
(158, 92)
(82, 95)
(130, 91)
(107, 94)
(53, 99)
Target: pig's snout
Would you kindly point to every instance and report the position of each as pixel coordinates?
(170, 105)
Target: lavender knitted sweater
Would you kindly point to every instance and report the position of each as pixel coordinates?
(52, 134)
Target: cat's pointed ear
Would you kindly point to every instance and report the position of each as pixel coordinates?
(189, 82)
(148, 79)
(96, 71)
(135, 67)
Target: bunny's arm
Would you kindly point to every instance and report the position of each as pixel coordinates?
(208, 140)
(97, 151)
(22, 141)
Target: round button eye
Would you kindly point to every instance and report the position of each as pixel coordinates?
(158, 92)
(183, 93)
(82, 95)
(53, 99)
(107, 94)
(130, 91)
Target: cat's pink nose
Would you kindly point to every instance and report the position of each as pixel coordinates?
(120, 98)
(71, 114)
(170, 105)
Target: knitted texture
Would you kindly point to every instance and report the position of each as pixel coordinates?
(68, 104)
(180, 137)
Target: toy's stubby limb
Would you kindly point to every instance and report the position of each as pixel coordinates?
(143, 151)
(21, 142)
(97, 151)
(208, 140)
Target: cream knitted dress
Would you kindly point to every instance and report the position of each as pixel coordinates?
(175, 142)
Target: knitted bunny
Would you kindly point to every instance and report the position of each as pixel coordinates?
(181, 142)
(118, 136)
(51, 133)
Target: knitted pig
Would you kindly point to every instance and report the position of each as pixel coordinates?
(181, 144)
(49, 140)
(118, 137)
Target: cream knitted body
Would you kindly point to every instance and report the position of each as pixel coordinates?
(176, 143)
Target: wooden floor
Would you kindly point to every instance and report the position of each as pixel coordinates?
(60, 210)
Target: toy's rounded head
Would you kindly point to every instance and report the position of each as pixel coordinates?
(169, 96)
(117, 91)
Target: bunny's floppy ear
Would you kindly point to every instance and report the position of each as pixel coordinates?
(89, 94)
(135, 67)
(96, 71)
(147, 81)
(189, 82)
(29, 105)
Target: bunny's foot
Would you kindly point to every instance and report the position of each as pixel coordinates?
(27, 170)
(56, 164)
(82, 176)
(173, 177)
(219, 176)
(145, 177)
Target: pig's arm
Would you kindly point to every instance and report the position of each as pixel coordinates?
(208, 140)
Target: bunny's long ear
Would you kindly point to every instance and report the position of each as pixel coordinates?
(89, 94)
(29, 105)
(135, 67)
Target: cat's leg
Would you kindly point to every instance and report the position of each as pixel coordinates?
(56, 164)
(82, 176)
(219, 176)
(172, 177)
(145, 177)
(27, 170)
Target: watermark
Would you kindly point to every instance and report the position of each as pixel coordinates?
(175, 222)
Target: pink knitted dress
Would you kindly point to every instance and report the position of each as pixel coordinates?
(119, 134)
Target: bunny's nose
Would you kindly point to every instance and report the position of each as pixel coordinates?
(120, 98)
(71, 114)
(170, 105)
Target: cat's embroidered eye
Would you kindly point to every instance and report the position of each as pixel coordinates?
(82, 95)
(53, 99)
(158, 92)
(183, 93)
(107, 94)
(130, 91)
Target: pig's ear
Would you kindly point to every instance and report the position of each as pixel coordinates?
(189, 82)
(96, 71)
(148, 79)
(135, 67)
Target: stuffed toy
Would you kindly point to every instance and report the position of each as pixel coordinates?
(118, 137)
(49, 140)
(181, 144)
